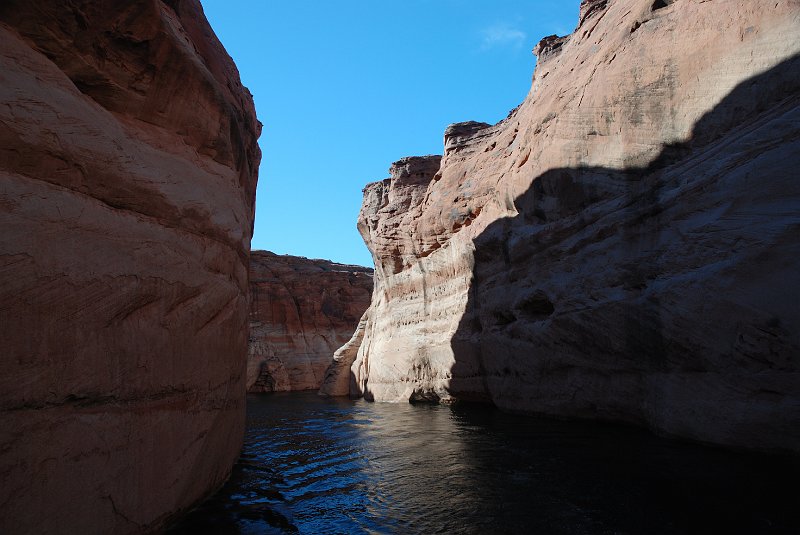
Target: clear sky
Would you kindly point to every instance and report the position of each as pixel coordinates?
(346, 87)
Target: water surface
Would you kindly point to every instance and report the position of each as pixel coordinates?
(318, 466)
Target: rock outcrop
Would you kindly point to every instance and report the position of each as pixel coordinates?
(338, 381)
(301, 311)
(623, 246)
(128, 166)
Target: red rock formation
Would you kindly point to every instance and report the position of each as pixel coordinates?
(623, 246)
(301, 311)
(128, 163)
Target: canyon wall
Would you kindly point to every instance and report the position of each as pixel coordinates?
(128, 166)
(623, 246)
(301, 311)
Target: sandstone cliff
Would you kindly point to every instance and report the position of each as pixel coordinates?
(128, 163)
(623, 246)
(301, 311)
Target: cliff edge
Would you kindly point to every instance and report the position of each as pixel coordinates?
(622, 247)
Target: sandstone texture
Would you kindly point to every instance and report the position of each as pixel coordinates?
(301, 311)
(128, 166)
(624, 246)
(338, 381)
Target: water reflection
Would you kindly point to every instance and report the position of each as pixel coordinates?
(314, 465)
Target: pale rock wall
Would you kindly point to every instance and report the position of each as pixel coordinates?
(128, 166)
(301, 311)
(338, 381)
(623, 246)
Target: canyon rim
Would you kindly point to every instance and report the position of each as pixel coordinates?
(623, 246)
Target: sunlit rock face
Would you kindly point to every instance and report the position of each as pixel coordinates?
(623, 246)
(128, 164)
(301, 311)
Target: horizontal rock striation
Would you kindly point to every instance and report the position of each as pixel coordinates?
(623, 246)
(301, 311)
(128, 167)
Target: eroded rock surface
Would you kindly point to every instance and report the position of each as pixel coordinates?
(128, 165)
(623, 246)
(301, 311)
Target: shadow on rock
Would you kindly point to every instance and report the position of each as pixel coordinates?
(664, 295)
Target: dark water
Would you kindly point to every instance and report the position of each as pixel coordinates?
(312, 465)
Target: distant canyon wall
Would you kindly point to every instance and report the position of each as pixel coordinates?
(301, 311)
(623, 246)
(128, 167)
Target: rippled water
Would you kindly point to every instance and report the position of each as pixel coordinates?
(313, 465)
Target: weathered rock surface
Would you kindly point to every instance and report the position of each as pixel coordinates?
(128, 164)
(623, 246)
(301, 311)
(338, 381)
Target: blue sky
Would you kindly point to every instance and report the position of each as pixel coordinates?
(346, 87)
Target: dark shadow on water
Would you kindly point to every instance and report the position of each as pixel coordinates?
(555, 330)
(249, 502)
(325, 466)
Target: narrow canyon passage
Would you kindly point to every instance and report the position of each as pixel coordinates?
(582, 318)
